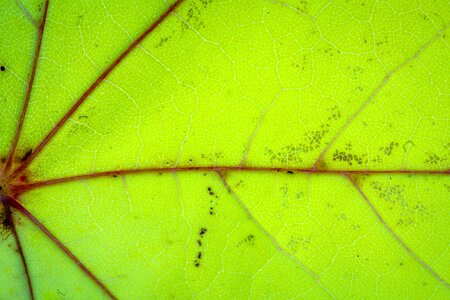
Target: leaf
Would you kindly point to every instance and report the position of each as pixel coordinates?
(234, 149)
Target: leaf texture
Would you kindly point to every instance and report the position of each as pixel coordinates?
(224, 149)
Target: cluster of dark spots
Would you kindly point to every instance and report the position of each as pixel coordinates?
(163, 41)
(2, 68)
(392, 193)
(302, 7)
(5, 226)
(304, 61)
(293, 152)
(212, 158)
(213, 201)
(311, 141)
(329, 51)
(389, 148)
(248, 240)
(434, 159)
(197, 260)
(355, 72)
(410, 211)
(193, 15)
(199, 255)
(350, 158)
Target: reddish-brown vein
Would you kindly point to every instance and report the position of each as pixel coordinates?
(16, 204)
(397, 238)
(89, 91)
(375, 93)
(20, 188)
(29, 89)
(10, 220)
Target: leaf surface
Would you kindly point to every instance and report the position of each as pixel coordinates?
(233, 149)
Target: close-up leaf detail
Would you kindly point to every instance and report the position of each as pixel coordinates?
(211, 149)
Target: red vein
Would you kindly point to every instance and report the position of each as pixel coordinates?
(27, 14)
(9, 218)
(89, 91)
(14, 203)
(397, 238)
(29, 88)
(375, 93)
(271, 238)
(20, 188)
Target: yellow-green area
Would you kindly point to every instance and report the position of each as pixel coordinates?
(347, 86)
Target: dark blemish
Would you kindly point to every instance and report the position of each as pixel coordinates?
(27, 154)
(311, 141)
(199, 255)
(199, 242)
(389, 148)
(350, 158)
(401, 264)
(248, 240)
(434, 159)
(114, 175)
(82, 117)
(3, 159)
(2, 68)
(197, 264)
(5, 227)
(203, 231)
(290, 172)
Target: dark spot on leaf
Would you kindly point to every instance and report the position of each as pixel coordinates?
(434, 159)
(26, 155)
(199, 242)
(202, 232)
(389, 148)
(290, 172)
(2, 68)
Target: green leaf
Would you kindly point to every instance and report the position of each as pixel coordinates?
(224, 149)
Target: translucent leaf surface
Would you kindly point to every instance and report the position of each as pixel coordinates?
(224, 149)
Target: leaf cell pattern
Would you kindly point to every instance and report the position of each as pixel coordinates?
(233, 149)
